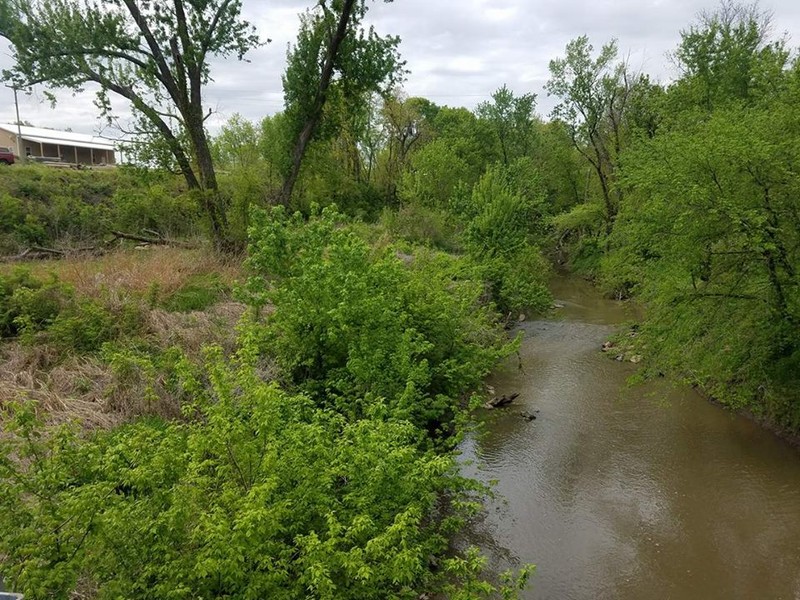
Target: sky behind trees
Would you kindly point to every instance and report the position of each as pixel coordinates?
(457, 51)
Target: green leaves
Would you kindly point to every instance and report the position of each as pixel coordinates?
(354, 326)
(728, 56)
(265, 496)
(710, 242)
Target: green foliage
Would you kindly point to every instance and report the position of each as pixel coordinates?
(264, 496)
(582, 219)
(501, 237)
(593, 94)
(237, 144)
(157, 208)
(30, 304)
(48, 207)
(728, 56)
(435, 176)
(360, 330)
(365, 62)
(512, 119)
(710, 242)
(581, 231)
(49, 311)
(423, 226)
(584, 85)
(84, 326)
(199, 293)
(470, 138)
(561, 167)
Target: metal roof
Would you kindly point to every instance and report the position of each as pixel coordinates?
(62, 138)
(92, 145)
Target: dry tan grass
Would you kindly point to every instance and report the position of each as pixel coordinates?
(194, 330)
(72, 391)
(87, 390)
(135, 272)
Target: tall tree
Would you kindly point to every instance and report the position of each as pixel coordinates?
(334, 53)
(406, 128)
(512, 118)
(238, 143)
(593, 93)
(729, 54)
(153, 54)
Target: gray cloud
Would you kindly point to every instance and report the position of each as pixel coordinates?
(457, 51)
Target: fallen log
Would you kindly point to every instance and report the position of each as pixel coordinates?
(44, 253)
(121, 235)
(24, 255)
(501, 401)
(48, 250)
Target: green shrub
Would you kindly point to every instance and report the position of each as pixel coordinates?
(435, 175)
(505, 215)
(50, 310)
(517, 282)
(423, 226)
(156, 208)
(263, 496)
(28, 303)
(42, 206)
(199, 293)
(356, 328)
(84, 326)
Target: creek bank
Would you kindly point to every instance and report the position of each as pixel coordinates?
(623, 490)
(623, 347)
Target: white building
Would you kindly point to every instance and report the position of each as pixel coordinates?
(52, 145)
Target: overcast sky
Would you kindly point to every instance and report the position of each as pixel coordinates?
(457, 51)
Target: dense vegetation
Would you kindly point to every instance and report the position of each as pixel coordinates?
(186, 423)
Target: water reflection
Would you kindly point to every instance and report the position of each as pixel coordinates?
(618, 492)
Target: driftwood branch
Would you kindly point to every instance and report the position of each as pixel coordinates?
(52, 251)
(24, 255)
(120, 235)
(43, 253)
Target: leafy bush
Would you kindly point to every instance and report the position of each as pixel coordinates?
(263, 496)
(357, 328)
(156, 208)
(436, 173)
(581, 231)
(28, 303)
(500, 238)
(50, 310)
(199, 293)
(517, 282)
(422, 225)
(85, 325)
(42, 206)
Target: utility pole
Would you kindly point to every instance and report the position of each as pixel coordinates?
(22, 158)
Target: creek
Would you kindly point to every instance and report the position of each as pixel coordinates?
(628, 492)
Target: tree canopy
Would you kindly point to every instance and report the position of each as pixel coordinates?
(155, 55)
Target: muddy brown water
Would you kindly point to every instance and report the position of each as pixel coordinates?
(620, 492)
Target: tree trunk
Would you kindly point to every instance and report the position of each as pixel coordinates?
(307, 132)
(211, 200)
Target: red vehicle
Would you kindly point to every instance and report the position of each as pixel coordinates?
(6, 156)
